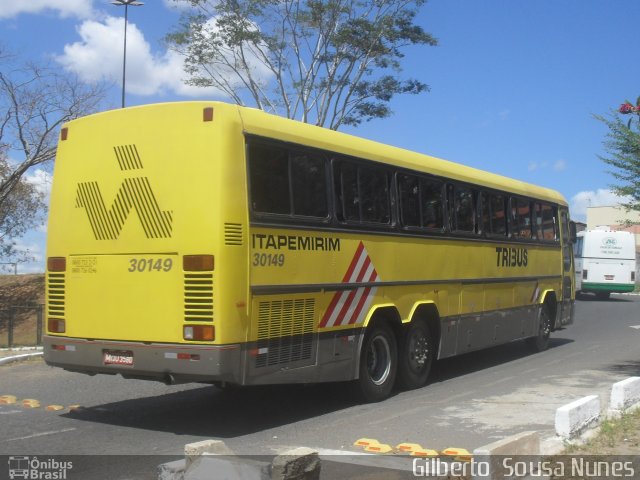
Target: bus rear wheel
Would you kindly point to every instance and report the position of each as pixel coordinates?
(540, 342)
(416, 355)
(378, 363)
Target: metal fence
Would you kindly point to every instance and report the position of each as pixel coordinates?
(21, 325)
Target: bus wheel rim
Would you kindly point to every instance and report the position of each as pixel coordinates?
(418, 351)
(379, 360)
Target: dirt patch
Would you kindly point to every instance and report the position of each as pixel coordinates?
(21, 296)
(22, 290)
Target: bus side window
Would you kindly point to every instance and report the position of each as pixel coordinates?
(549, 222)
(537, 221)
(577, 247)
(520, 218)
(409, 189)
(348, 202)
(363, 193)
(309, 185)
(432, 205)
(375, 194)
(497, 204)
(269, 177)
(465, 210)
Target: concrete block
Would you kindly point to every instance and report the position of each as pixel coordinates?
(576, 417)
(205, 447)
(298, 464)
(208, 467)
(171, 470)
(493, 454)
(624, 395)
(525, 443)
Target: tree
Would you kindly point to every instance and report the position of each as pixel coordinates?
(622, 145)
(21, 210)
(327, 62)
(34, 102)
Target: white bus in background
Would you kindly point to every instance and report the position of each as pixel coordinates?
(605, 262)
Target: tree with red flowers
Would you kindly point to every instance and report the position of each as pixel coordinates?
(622, 145)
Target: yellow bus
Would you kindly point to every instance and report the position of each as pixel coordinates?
(207, 242)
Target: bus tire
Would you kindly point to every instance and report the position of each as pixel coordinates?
(540, 342)
(378, 363)
(416, 355)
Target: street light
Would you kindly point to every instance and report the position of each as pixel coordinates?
(126, 4)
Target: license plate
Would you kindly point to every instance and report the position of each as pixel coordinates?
(117, 357)
(609, 277)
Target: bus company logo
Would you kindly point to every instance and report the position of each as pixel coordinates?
(135, 193)
(609, 242)
(349, 307)
(35, 469)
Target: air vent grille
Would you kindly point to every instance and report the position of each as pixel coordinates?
(285, 331)
(233, 234)
(198, 297)
(56, 295)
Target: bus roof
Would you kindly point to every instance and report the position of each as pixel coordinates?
(258, 122)
(263, 124)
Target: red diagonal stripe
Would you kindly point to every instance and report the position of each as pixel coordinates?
(362, 301)
(346, 279)
(352, 293)
(354, 262)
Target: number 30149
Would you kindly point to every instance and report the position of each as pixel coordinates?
(150, 264)
(268, 260)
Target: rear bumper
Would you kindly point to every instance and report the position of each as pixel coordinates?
(608, 287)
(171, 363)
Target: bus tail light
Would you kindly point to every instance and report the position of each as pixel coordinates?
(199, 332)
(56, 325)
(198, 263)
(57, 264)
(64, 348)
(584, 274)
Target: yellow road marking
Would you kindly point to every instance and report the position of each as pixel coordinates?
(30, 403)
(54, 408)
(379, 448)
(363, 442)
(461, 454)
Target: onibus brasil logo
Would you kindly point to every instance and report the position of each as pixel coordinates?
(135, 193)
(33, 468)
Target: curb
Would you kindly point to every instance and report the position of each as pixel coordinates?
(202, 458)
(625, 396)
(492, 455)
(575, 418)
(18, 358)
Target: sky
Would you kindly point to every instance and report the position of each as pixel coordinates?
(514, 84)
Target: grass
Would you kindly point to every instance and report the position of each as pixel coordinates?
(619, 436)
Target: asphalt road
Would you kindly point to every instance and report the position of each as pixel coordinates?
(471, 400)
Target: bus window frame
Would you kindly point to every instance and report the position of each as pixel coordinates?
(338, 202)
(419, 176)
(396, 226)
(287, 218)
(452, 188)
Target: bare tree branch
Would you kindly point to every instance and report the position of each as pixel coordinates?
(326, 59)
